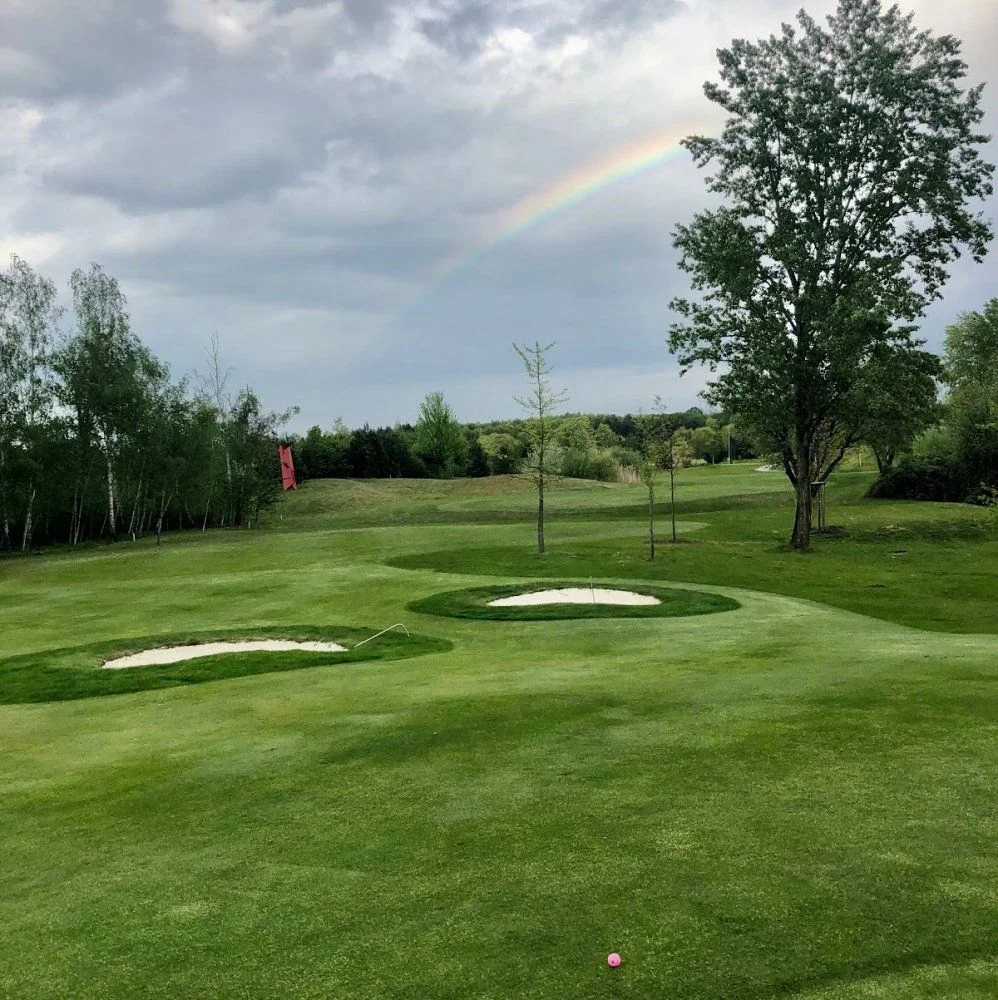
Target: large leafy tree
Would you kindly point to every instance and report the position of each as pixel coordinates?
(901, 395)
(440, 441)
(972, 351)
(971, 369)
(847, 162)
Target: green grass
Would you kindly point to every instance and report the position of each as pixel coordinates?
(474, 603)
(930, 566)
(77, 672)
(794, 799)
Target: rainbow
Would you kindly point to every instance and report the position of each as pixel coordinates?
(571, 190)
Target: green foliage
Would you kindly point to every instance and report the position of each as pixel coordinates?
(707, 443)
(972, 350)
(901, 395)
(97, 441)
(987, 497)
(505, 452)
(575, 433)
(28, 319)
(920, 478)
(474, 603)
(382, 453)
(478, 464)
(439, 441)
(847, 161)
(605, 437)
(322, 455)
(958, 459)
(593, 463)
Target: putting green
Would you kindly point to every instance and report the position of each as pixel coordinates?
(476, 602)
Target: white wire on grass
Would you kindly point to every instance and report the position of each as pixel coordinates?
(383, 631)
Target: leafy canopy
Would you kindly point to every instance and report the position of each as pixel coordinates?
(846, 163)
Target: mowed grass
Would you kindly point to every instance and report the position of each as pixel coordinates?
(795, 798)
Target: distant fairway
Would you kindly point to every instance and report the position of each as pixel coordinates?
(795, 798)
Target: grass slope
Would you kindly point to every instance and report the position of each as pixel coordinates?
(788, 800)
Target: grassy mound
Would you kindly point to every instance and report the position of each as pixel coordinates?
(474, 603)
(77, 672)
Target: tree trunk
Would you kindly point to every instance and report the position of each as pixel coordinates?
(651, 526)
(672, 489)
(540, 516)
(135, 508)
(885, 460)
(28, 521)
(801, 537)
(112, 522)
(159, 521)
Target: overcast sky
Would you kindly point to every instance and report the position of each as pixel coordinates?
(291, 174)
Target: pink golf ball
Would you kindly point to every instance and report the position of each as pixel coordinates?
(613, 960)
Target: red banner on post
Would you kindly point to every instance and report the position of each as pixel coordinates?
(287, 468)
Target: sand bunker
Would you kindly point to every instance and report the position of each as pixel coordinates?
(174, 654)
(574, 595)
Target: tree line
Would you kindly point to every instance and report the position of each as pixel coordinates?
(437, 445)
(98, 441)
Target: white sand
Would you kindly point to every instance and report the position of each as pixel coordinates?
(174, 654)
(574, 595)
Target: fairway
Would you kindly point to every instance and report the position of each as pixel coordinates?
(785, 789)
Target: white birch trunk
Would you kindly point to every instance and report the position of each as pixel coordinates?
(110, 495)
(28, 522)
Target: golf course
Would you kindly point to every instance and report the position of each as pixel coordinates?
(777, 781)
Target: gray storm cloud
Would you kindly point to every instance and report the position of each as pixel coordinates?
(291, 174)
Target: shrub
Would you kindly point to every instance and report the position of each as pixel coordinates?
(627, 456)
(920, 478)
(592, 464)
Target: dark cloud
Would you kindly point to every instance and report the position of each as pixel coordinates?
(629, 15)
(369, 14)
(464, 31)
(86, 51)
(205, 146)
(464, 28)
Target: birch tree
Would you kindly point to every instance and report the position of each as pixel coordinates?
(28, 319)
(107, 378)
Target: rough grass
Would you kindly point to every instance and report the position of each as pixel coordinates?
(474, 603)
(790, 800)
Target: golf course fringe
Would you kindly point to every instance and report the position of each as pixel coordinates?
(474, 603)
(77, 672)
